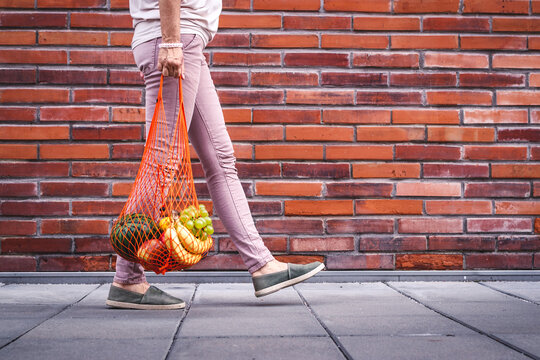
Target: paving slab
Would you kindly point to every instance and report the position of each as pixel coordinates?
(260, 348)
(529, 290)
(233, 310)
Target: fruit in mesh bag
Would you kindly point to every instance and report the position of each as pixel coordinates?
(130, 232)
(178, 252)
(154, 252)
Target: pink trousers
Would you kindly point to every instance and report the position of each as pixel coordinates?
(209, 137)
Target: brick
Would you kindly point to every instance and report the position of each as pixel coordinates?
(452, 97)
(299, 259)
(496, 6)
(265, 208)
(27, 56)
(517, 207)
(74, 226)
(30, 4)
(273, 243)
(266, 78)
(93, 245)
(495, 153)
(245, 59)
(220, 261)
(389, 133)
(72, 37)
(331, 116)
(230, 78)
(360, 261)
(123, 188)
(36, 245)
(426, 6)
(29, 170)
(386, 170)
(390, 59)
(456, 24)
(108, 132)
(425, 116)
(319, 133)
(284, 41)
(430, 225)
(431, 189)
(457, 207)
(75, 263)
(104, 170)
(388, 207)
(18, 263)
(34, 208)
(17, 114)
(72, 76)
(282, 188)
(354, 41)
(18, 227)
(14, 37)
(289, 226)
(475, 225)
(101, 207)
(236, 4)
(128, 114)
(535, 7)
(125, 77)
(253, 97)
(321, 244)
(494, 116)
(388, 97)
(29, 95)
(131, 151)
(534, 80)
(287, 5)
(426, 79)
(462, 243)
(236, 115)
(120, 38)
(460, 134)
(359, 152)
(534, 42)
(316, 59)
(354, 225)
(516, 24)
(18, 189)
(535, 153)
(286, 116)
(104, 57)
(303, 22)
(498, 261)
(515, 171)
(491, 80)
(493, 42)
(34, 132)
(304, 152)
(386, 23)
(37, 19)
(18, 152)
(73, 189)
(429, 261)
(392, 243)
(519, 134)
(498, 189)
(516, 97)
(453, 60)
(83, 4)
(456, 170)
(79, 113)
(507, 61)
(518, 243)
(101, 20)
(249, 21)
(318, 207)
(427, 152)
(358, 189)
(74, 151)
(535, 116)
(255, 133)
(230, 40)
(319, 97)
(262, 170)
(353, 79)
(105, 95)
(316, 170)
(424, 41)
(17, 76)
(357, 6)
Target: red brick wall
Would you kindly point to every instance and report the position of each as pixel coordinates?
(373, 134)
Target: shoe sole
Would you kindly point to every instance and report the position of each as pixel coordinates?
(124, 305)
(284, 284)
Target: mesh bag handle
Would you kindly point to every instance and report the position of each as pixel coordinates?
(162, 226)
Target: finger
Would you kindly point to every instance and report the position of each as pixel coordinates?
(165, 71)
(182, 73)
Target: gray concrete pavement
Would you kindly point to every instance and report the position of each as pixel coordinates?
(372, 320)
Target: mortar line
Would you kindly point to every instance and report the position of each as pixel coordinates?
(179, 326)
(332, 336)
(508, 293)
(482, 332)
(50, 317)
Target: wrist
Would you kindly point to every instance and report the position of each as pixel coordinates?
(171, 45)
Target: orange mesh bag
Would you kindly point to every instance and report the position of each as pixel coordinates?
(162, 226)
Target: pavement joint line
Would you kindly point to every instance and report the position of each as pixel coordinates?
(179, 326)
(480, 331)
(53, 315)
(332, 336)
(509, 294)
(254, 336)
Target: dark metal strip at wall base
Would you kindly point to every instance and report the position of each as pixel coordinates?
(201, 277)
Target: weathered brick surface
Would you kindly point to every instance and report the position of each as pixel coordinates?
(377, 134)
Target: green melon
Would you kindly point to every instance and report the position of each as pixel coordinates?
(130, 231)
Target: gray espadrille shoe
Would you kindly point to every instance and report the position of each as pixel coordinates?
(269, 283)
(153, 299)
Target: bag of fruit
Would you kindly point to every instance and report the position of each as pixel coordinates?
(162, 226)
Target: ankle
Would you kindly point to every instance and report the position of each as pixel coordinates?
(270, 267)
(140, 288)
